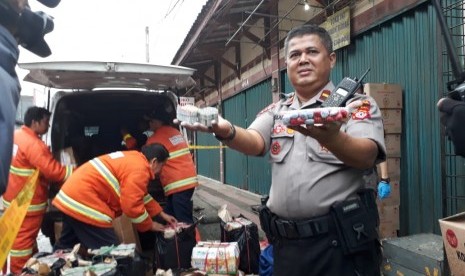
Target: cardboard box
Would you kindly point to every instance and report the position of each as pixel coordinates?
(453, 235)
(389, 215)
(392, 142)
(392, 120)
(393, 166)
(125, 231)
(386, 95)
(387, 230)
(216, 258)
(57, 228)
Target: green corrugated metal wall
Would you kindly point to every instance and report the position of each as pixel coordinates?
(235, 163)
(454, 171)
(258, 168)
(247, 172)
(404, 50)
(208, 160)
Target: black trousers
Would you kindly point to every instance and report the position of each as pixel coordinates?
(92, 237)
(180, 206)
(323, 255)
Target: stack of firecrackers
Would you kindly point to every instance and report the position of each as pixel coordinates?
(192, 114)
(102, 261)
(389, 99)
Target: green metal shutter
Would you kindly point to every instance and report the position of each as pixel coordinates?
(208, 160)
(235, 163)
(247, 172)
(258, 168)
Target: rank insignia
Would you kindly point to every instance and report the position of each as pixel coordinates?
(324, 95)
(271, 106)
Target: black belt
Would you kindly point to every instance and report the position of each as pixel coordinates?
(291, 229)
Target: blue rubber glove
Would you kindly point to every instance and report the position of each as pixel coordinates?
(384, 189)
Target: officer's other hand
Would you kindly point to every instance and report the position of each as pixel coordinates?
(320, 132)
(384, 189)
(169, 219)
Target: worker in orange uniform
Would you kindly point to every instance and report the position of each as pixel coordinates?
(179, 176)
(29, 154)
(104, 188)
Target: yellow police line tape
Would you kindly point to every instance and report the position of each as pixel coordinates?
(14, 215)
(207, 147)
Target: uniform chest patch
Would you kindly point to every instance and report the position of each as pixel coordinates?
(275, 148)
(177, 139)
(279, 128)
(363, 112)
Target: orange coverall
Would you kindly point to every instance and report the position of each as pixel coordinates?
(30, 153)
(179, 172)
(107, 186)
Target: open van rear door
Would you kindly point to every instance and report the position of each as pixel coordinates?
(88, 75)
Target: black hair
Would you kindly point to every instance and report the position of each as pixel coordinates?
(155, 150)
(35, 113)
(310, 29)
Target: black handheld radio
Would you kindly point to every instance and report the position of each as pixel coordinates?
(343, 91)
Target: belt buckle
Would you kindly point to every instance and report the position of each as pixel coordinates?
(287, 229)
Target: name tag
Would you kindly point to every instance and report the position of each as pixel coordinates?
(175, 140)
(116, 154)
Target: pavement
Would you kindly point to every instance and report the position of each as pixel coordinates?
(211, 195)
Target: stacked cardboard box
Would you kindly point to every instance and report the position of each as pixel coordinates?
(389, 99)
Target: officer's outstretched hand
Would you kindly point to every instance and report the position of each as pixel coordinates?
(221, 127)
(384, 189)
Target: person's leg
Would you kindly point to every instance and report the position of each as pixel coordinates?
(48, 227)
(68, 237)
(22, 248)
(169, 209)
(90, 236)
(183, 206)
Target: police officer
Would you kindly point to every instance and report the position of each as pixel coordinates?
(318, 221)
